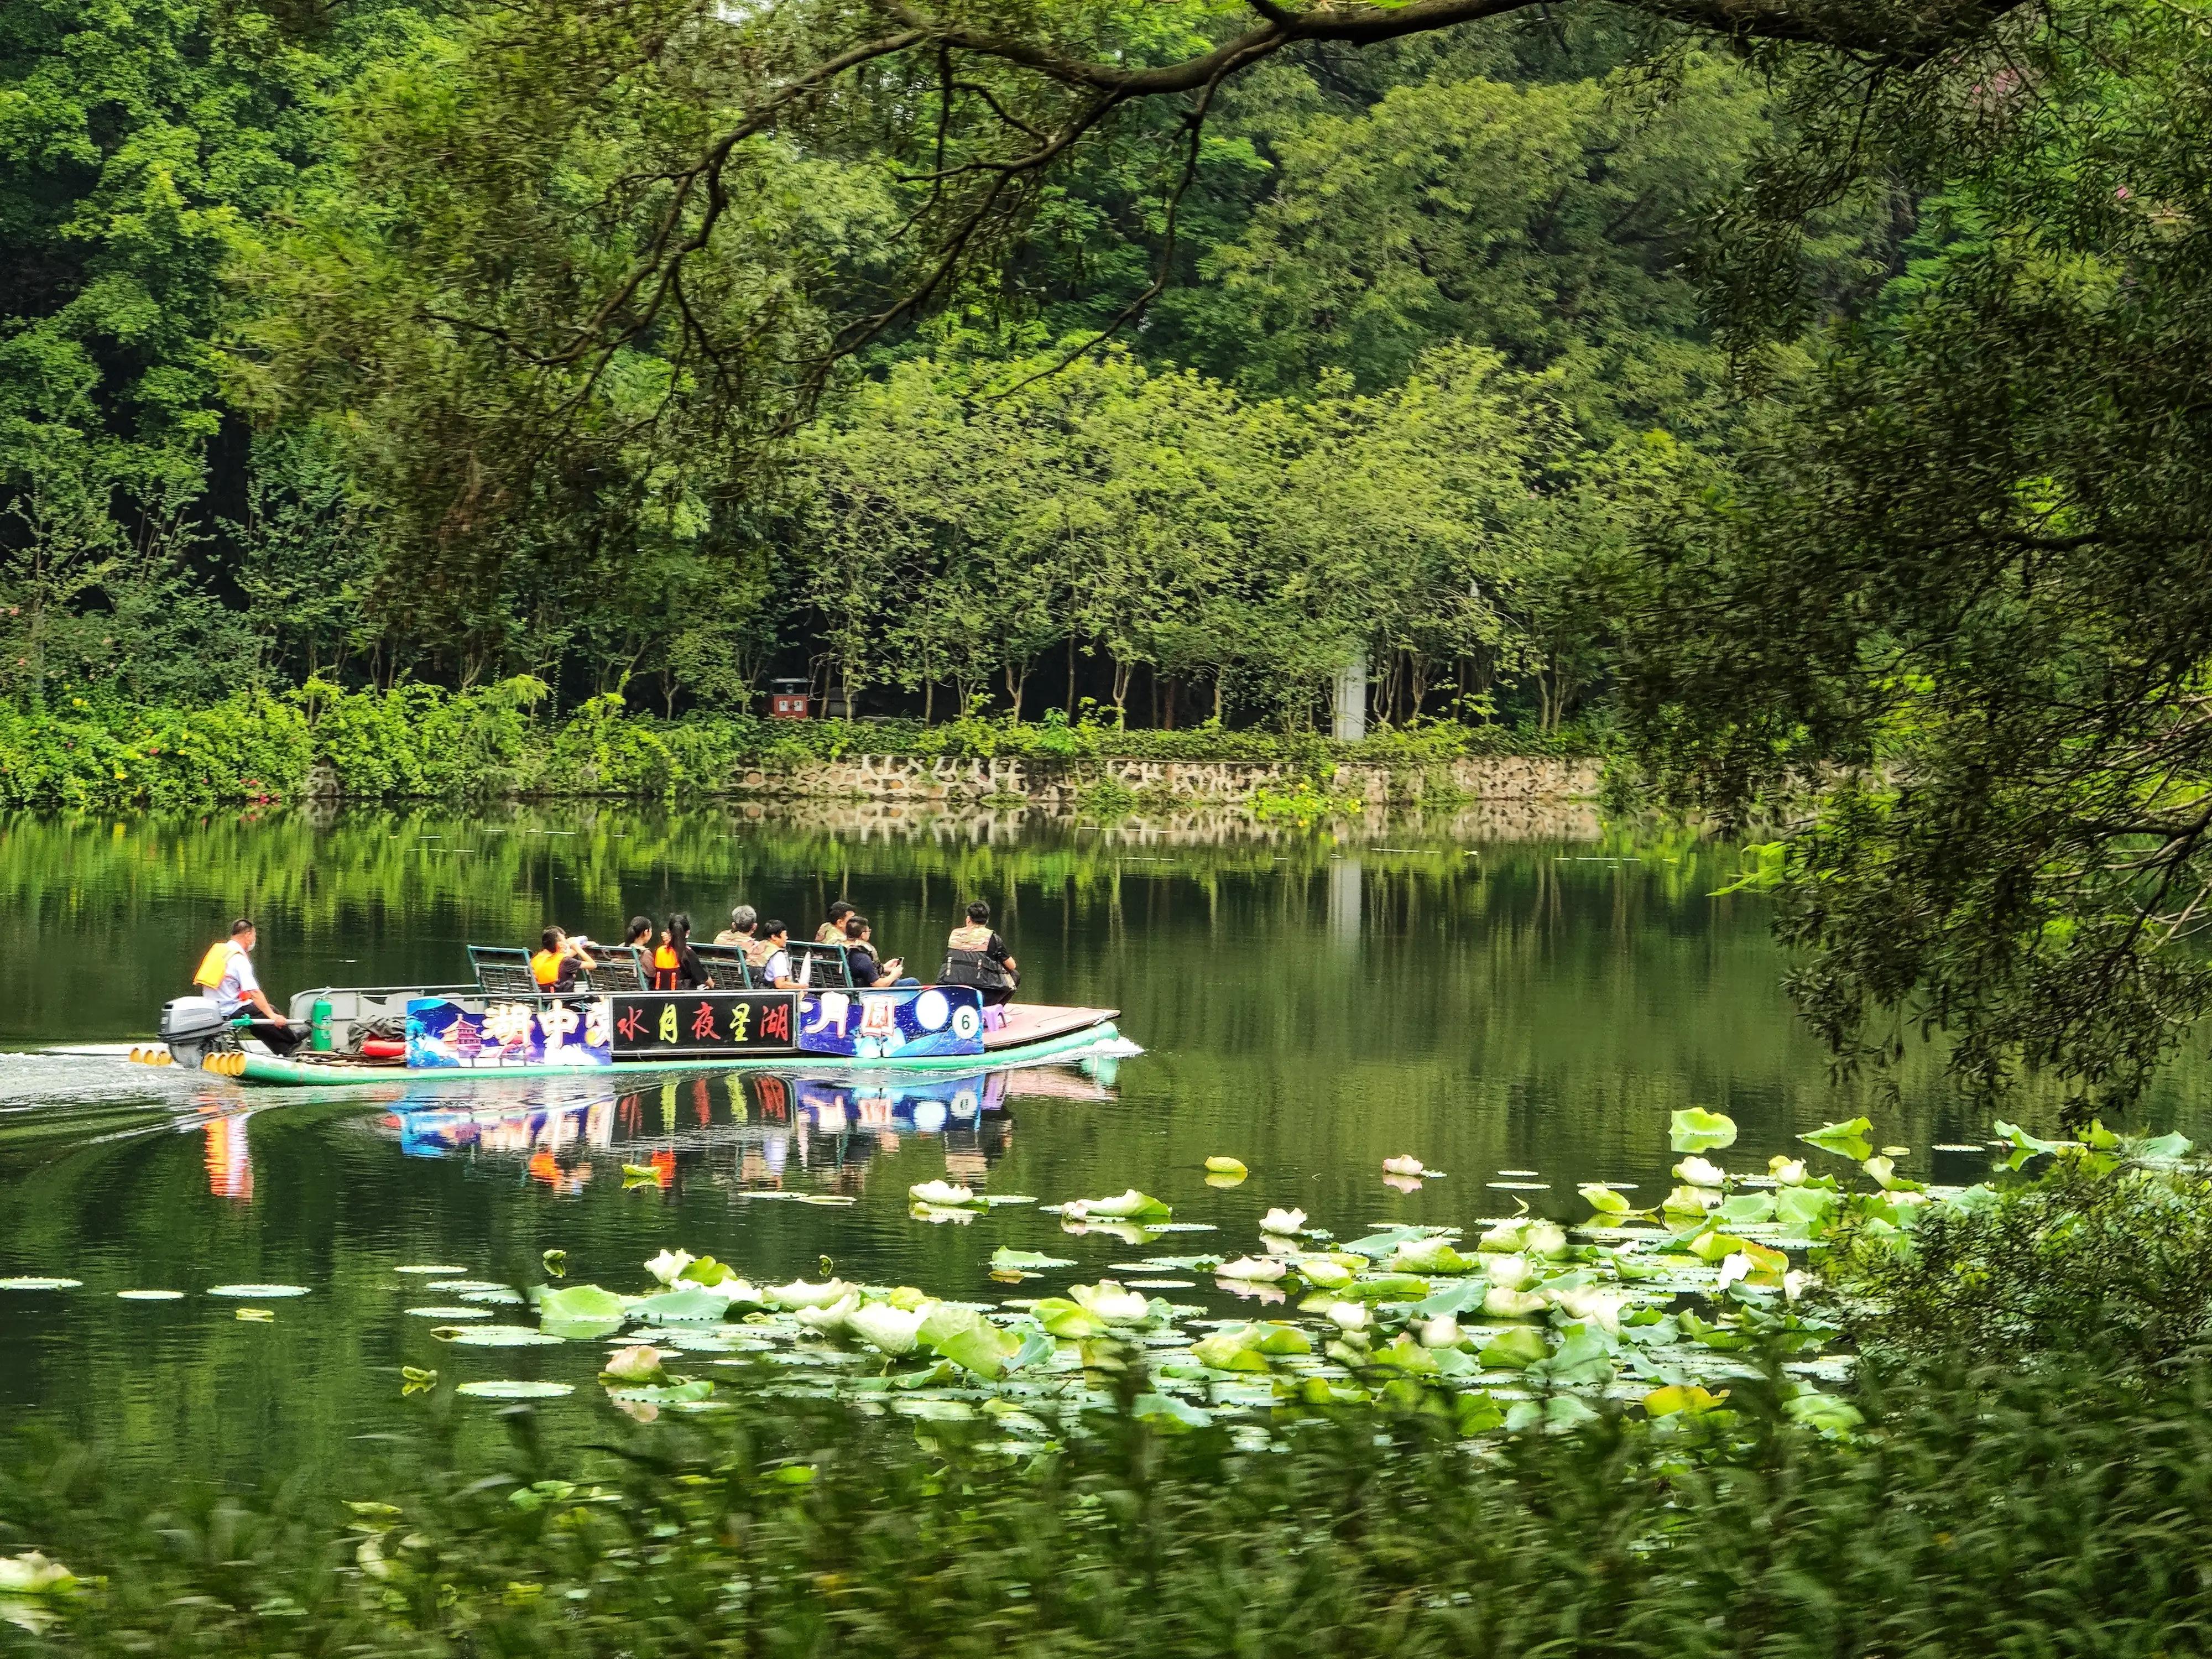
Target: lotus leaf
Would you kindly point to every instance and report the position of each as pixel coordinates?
(1689, 1201)
(1678, 1397)
(683, 1391)
(435, 1269)
(1350, 1316)
(1462, 1296)
(1168, 1411)
(257, 1316)
(1432, 1255)
(1603, 1200)
(555, 1263)
(801, 1294)
(1694, 1129)
(1006, 1260)
(1068, 1320)
(1701, 1172)
(944, 1195)
(256, 1292)
(1441, 1332)
(1786, 1171)
(1511, 1273)
(450, 1313)
(1516, 1349)
(1218, 1164)
(1506, 1237)
(1806, 1209)
(697, 1304)
(1404, 1354)
(1546, 1238)
(150, 1296)
(1236, 1349)
(1259, 1270)
(1320, 1270)
(1111, 1302)
(1848, 1139)
(516, 1390)
(1824, 1412)
(1501, 1303)
(831, 1318)
(894, 1330)
(970, 1342)
(1598, 1304)
(1131, 1206)
(495, 1336)
(1746, 1209)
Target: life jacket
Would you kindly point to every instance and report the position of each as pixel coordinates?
(214, 965)
(545, 969)
(665, 964)
(757, 952)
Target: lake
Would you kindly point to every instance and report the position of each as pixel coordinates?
(1519, 1001)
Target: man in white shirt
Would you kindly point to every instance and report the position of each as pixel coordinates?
(227, 979)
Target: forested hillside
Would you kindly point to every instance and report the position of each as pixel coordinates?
(1427, 336)
(1782, 392)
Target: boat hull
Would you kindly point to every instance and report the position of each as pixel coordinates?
(1102, 1036)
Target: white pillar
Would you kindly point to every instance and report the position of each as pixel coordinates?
(1350, 721)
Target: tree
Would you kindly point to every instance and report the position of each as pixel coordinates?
(1975, 567)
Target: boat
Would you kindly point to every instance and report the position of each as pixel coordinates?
(503, 1025)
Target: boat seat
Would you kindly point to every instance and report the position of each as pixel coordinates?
(821, 967)
(622, 967)
(503, 970)
(726, 965)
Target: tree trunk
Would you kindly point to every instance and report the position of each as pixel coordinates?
(1070, 677)
(1220, 679)
(1169, 725)
(1014, 685)
(928, 699)
(1122, 670)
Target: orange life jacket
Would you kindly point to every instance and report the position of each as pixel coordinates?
(665, 964)
(545, 969)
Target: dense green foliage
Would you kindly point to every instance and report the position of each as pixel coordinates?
(416, 741)
(286, 371)
(1738, 1533)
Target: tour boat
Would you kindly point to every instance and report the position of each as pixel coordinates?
(503, 1025)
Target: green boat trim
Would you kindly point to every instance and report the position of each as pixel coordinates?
(324, 1074)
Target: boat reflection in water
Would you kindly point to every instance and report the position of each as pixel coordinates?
(754, 1133)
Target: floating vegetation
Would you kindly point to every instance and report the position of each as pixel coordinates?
(32, 1284)
(495, 1336)
(258, 1292)
(435, 1269)
(257, 1316)
(514, 1389)
(149, 1296)
(450, 1313)
(465, 1287)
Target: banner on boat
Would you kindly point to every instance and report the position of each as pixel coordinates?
(703, 1023)
(442, 1034)
(934, 1020)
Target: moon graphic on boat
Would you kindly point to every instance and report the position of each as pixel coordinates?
(930, 1010)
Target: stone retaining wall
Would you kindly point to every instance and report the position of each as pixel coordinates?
(1059, 785)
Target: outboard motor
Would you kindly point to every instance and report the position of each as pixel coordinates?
(195, 1027)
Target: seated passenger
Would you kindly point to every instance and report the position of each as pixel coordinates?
(861, 957)
(226, 978)
(775, 957)
(676, 965)
(832, 931)
(639, 933)
(739, 932)
(557, 962)
(976, 957)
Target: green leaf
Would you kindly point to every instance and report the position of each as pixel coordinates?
(1805, 1209)
(1521, 1346)
(1694, 1129)
(1007, 1261)
(1165, 1411)
(970, 1340)
(1746, 1209)
(1604, 1199)
(1846, 1139)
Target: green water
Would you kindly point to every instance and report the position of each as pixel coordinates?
(1524, 1011)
